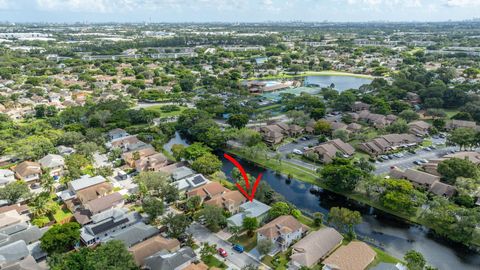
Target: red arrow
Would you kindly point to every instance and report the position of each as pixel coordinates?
(245, 177)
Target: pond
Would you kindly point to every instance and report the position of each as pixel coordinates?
(175, 140)
(386, 231)
(313, 84)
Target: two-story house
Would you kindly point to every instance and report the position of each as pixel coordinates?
(54, 163)
(282, 232)
(28, 171)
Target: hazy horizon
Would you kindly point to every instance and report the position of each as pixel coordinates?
(231, 11)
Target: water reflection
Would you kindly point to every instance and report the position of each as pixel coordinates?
(386, 231)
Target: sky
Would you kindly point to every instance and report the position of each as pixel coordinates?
(236, 10)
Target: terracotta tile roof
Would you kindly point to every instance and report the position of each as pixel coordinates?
(228, 199)
(209, 190)
(354, 256)
(315, 246)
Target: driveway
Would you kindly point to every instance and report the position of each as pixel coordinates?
(202, 234)
(406, 162)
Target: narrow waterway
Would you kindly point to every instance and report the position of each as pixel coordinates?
(388, 232)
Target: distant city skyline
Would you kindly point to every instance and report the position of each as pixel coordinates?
(70, 11)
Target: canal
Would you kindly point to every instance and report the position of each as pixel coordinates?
(388, 232)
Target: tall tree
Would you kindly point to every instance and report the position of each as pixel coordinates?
(60, 238)
(344, 219)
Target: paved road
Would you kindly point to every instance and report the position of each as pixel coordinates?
(407, 161)
(202, 234)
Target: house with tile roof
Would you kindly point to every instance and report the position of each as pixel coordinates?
(315, 247)
(354, 256)
(28, 171)
(282, 232)
(151, 246)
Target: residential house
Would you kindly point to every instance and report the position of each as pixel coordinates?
(65, 150)
(254, 209)
(431, 166)
(376, 120)
(117, 134)
(454, 124)
(327, 151)
(98, 205)
(197, 266)
(126, 144)
(315, 247)
(419, 128)
(181, 172)
(16, 255)
(54, 163)
(354, 127)
(171, 261)
(133, 235)
(28, 171)
(360, 106)
(389, 142)
(151, 246)
(132, 156)
(22, 209)
(151, 163)
(189, 183)
(354, 256)
(275, 133)
(425, 180)
(105, 223)
(282, 232)
(230, 201)
(6, 177)
(83, 190)
(208, 191)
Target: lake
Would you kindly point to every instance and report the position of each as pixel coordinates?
(313, 84)
(386, 231)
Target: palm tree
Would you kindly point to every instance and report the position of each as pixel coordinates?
(38, 206)
(47, 181)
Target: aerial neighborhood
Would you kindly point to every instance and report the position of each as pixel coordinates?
(364, 139)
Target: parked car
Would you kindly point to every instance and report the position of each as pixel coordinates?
(222, 252)
(298, 152)
(238, 248)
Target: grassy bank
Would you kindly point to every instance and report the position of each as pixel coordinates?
(308, 176)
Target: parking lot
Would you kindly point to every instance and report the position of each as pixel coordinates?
(300, 145)
(408, 159)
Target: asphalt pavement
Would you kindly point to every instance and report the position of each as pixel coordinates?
(406, 162)
(202, 234)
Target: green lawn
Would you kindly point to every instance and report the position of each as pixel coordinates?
(283, 167)
(269, 107)
(62, 214)
(211, 261)
(308, 221)
(383, 257)
(248, 242)
(157, 108)
(278, 262)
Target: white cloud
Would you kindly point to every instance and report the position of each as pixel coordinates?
(463, 3)
(5, 4)
(390, 3)
(108, 6)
